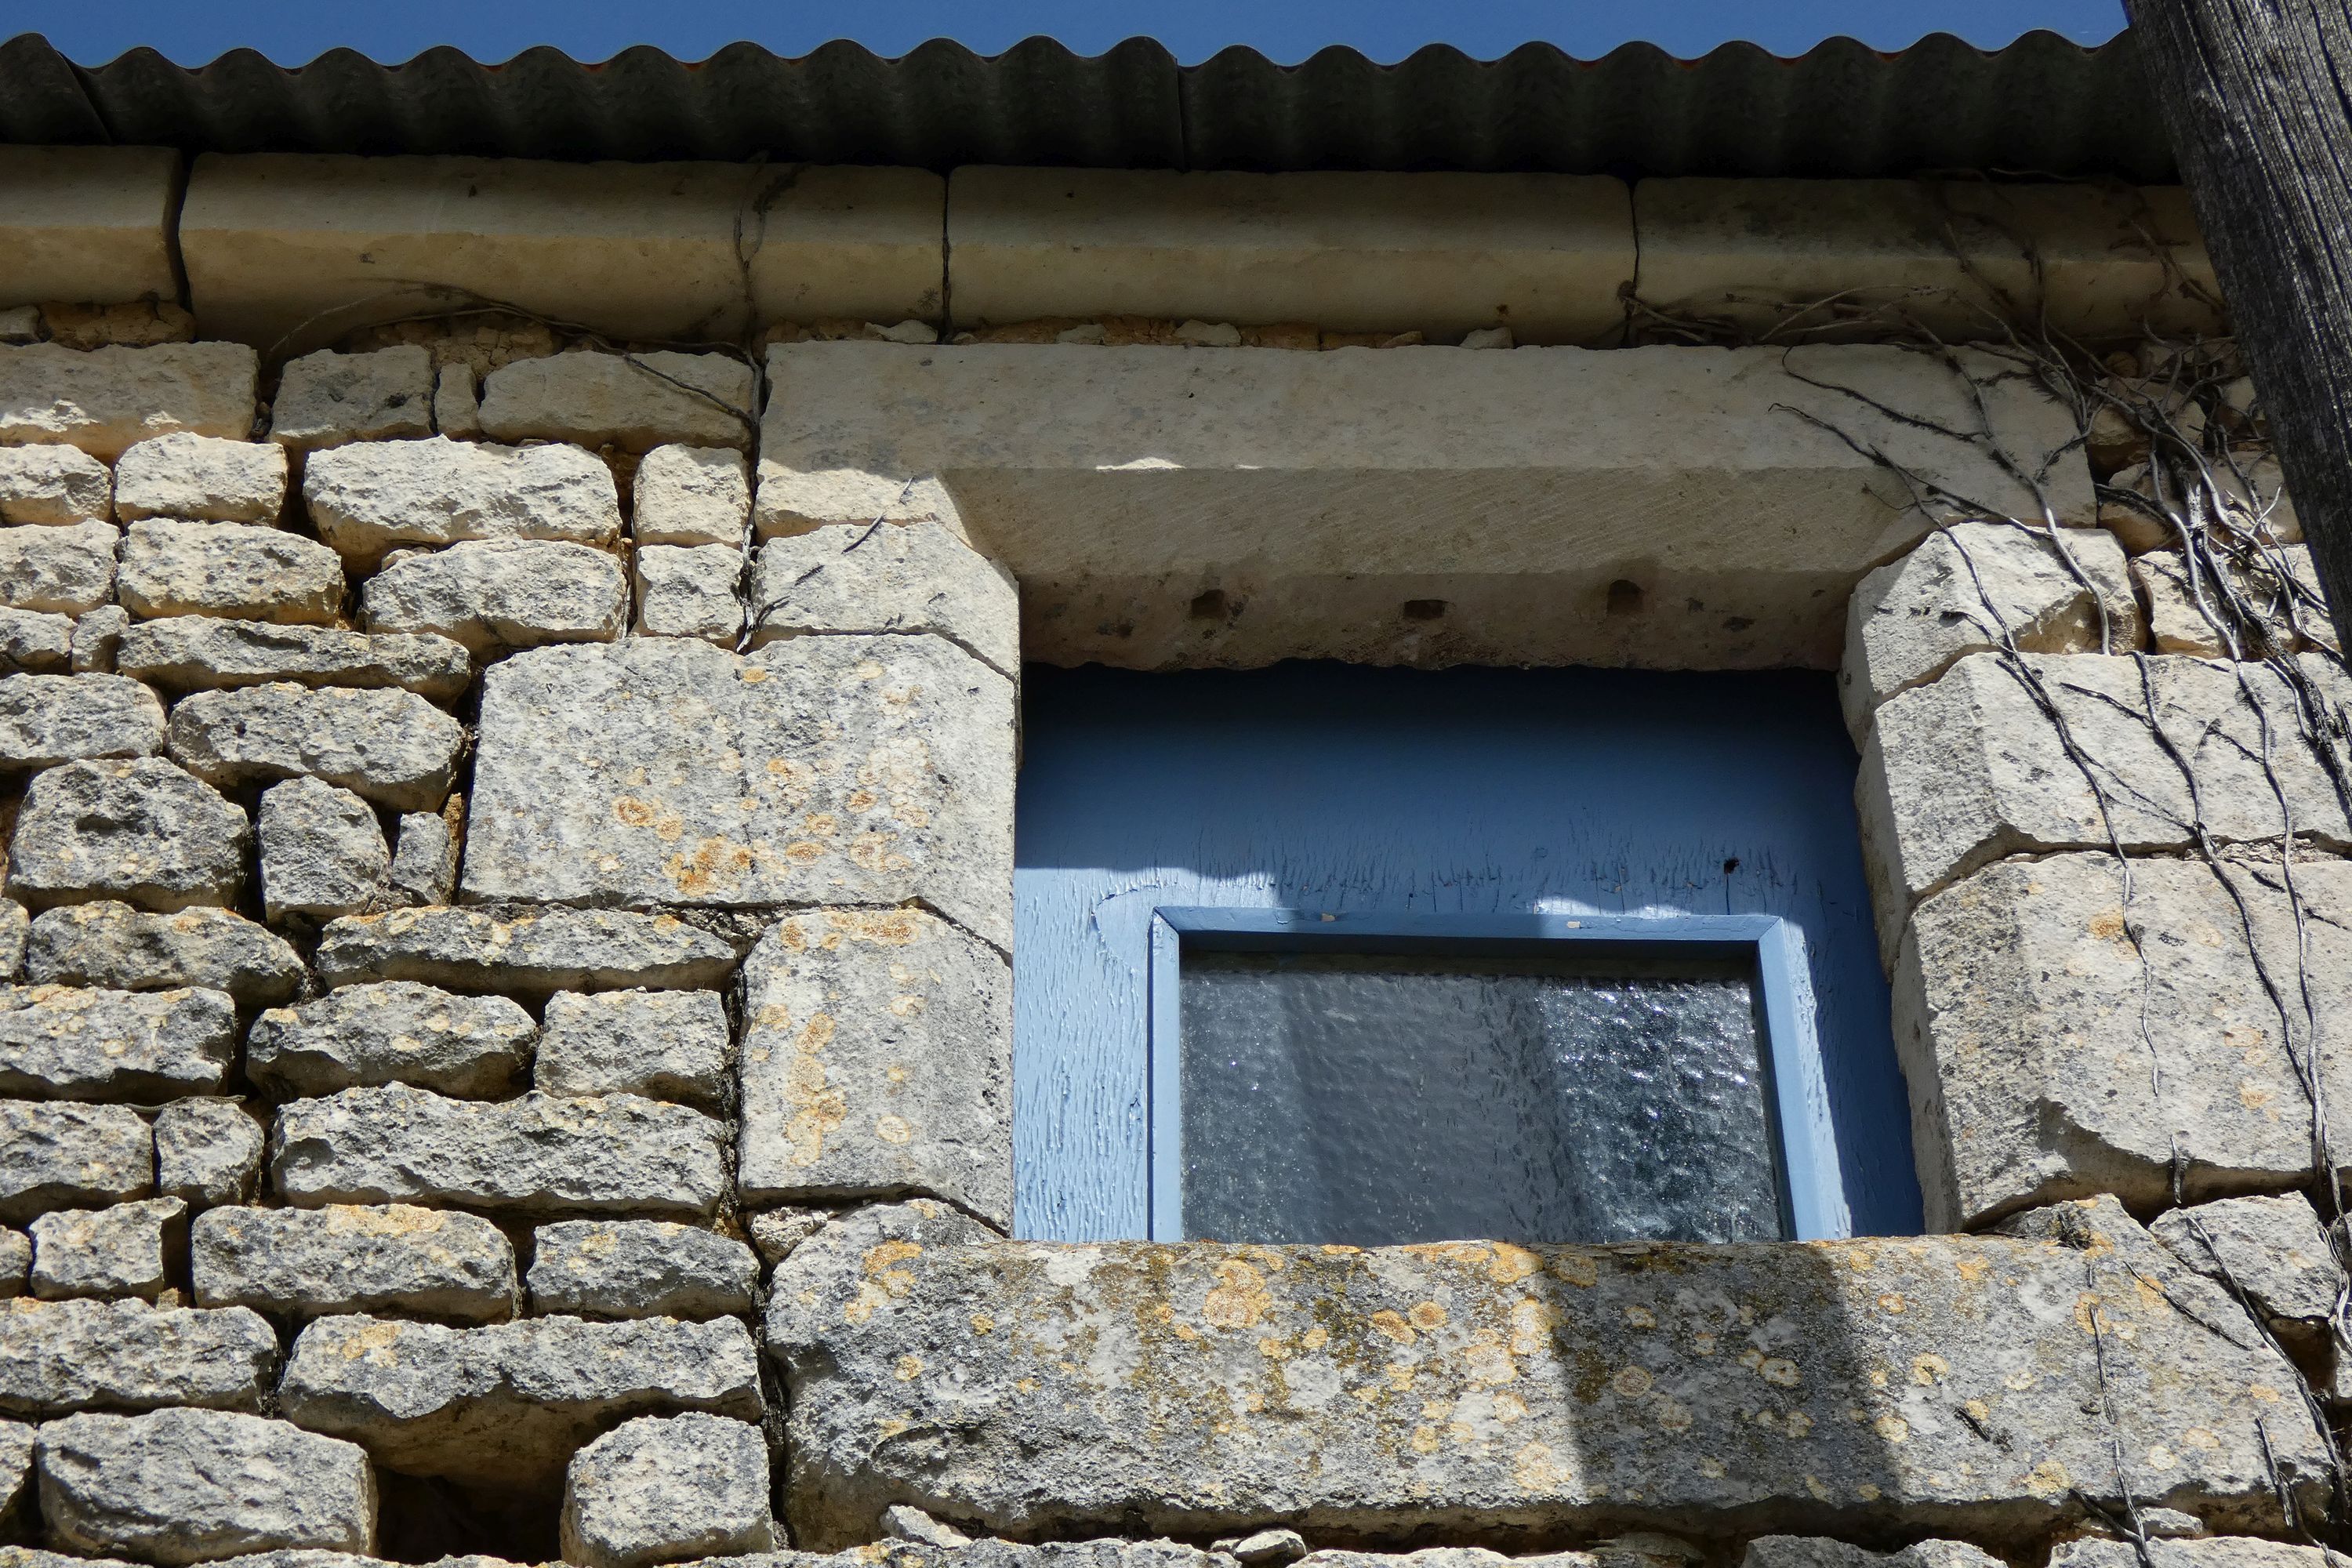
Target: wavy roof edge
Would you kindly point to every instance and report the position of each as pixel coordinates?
(2042, 104)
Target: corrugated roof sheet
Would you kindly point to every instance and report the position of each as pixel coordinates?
(2042, 103)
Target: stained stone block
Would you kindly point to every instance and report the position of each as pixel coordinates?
(104, 400)
(45, 720)
(202, 653)
(664, 1044)
(201, 478)
(33, 642)
(537, 1155)
(690, 592)
(393, 747)
(691, 495)
(2035, 1030)
(234, 570)
(58, 1156)
(69, 1043)
(54, 484)
(177, 1487)
(366, 499)
(116, 1251)
(58, 571)
(639, 1269)
(112, 944)
(530, 951)
(58, 1356)
(502, 594)
(915, 577)
(423, 860)
(633, 401)
(322, 851)
(666, 1489)
(1971, 768)
(506, 1405)
(326, 399)
(391, 1032)
(142, 830)
(1873, 1386)
(207, 1151)
(2272, 1248)
(820, 769)
(1912, 619)
(877, 1060)
(397, 1257)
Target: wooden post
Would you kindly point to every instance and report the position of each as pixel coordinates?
(2254, 93)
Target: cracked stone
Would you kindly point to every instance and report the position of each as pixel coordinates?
(912, 577)
(45, 720)
(633, 401)
(367, 499)
(58, 571)
(200, 478)
(502, 594)
(666, 1489)
(202, 653)
(56, 1155)
(322, 851)
(392, 747)
(326, 399)
(144, 830)
(112, 944)
(67, 1043)
(394, 1257)
(60, 1356)
(639, 1269)
(234, 570)
(391, 1032)
(2272, 1246)
(664, 1044)
(115, 1251)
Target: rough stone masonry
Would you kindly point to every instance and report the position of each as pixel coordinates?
(505, 991)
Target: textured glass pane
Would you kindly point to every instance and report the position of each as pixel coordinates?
(1370, 1100)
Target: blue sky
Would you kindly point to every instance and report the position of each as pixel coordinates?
(292, 31)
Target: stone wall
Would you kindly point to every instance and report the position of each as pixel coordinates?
(506, 1038)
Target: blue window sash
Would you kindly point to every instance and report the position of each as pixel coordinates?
(1813, 1191)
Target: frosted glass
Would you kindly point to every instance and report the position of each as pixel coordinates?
(1372, 1100)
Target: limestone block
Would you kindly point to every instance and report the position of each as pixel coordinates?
(664, 1044)
(109, 943)
(1958, 257)
(142, 830)
(87, 223)
(53, 1156)
(34, 643)
(1963, 772)
(2222, 1552)
(529, 951)
(106, 399)
(58, 571)
(775, 1232)
(690, 495)
(392, 747)
(16, 1471)
(2283, 587)
(1871, 1387)
(207, 1151)
(177, 1487)
(668, 1489)
(1912, 619)
(506, 1405)
(367, 499)
(310, 1263)
(633, 401)
(498, 594)
(1348, 495)
(115, 1251)
(1443, 253)
(322, 851)
(916, 578)
(423, 860)
(1820, 1552)
(45, 720)
(202, 477)
(2272, 1246)
(228, 569)
(200, 653)
(877, 769)
(330, 399)
(20, 324)
(96, 635)
(16, 1262)
(53, 484)
(456, 410)
(14, 924)
(639, 1269)
(538, 1154)
(690, 591)
(877, 1060)
(64, 1042)
(2029, 1030)
(393, 1031)
(280, 244)
(58, 1356)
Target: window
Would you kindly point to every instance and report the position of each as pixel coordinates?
(1322, 953)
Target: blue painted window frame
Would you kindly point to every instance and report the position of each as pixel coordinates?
(1812, 1191)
